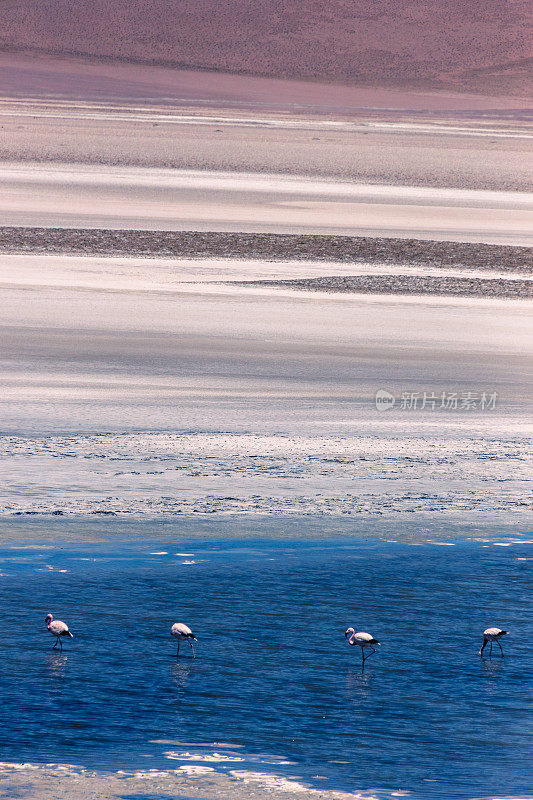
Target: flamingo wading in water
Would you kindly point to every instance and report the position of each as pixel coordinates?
(183, 633)
(492, 635)
(57, 629)
(362, 640)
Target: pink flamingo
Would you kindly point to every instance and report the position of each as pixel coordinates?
(57, 629)
(183, 634)
(362, 640)
(492, 635)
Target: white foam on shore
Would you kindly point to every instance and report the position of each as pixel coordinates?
(195, 769)
(275, 782)
(151, 773)
(269, 782)
(210, 757)
(220, 758)
(52, 768)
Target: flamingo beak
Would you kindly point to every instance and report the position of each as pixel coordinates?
(346, 633)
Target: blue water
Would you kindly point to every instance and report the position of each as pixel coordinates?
(274, 679)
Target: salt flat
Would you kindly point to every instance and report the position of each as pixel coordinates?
(139, 273)
(407, 142)
(83, 196)
(134, 386)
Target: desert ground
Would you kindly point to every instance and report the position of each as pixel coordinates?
(429, 45)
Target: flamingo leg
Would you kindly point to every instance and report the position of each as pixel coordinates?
(499, 645)
(490, 651)
(178, 650)
(60, 645)
(54, 647)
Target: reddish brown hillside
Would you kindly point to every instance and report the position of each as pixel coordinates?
(483, 46)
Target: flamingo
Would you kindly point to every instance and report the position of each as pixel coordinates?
(57, 629)
(492, 635)
(183, 633)
(363, 640)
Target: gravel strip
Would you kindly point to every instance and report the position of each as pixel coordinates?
(406, 284)
(268, 246)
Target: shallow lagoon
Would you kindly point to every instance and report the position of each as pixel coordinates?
(275, 687)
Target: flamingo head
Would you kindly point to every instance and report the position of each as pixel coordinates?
(349, 632)
(48, 619)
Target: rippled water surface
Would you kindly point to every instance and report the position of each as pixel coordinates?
(274, 683)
